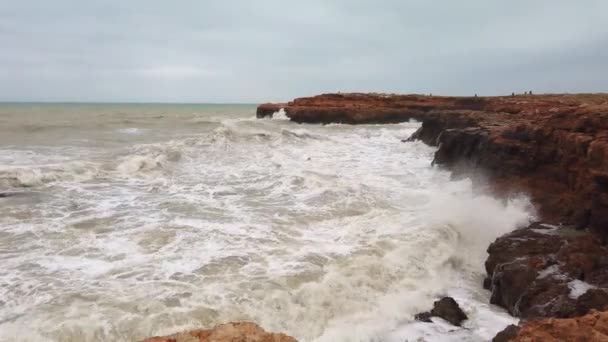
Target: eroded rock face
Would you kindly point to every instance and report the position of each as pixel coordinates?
(268, 109)
(545, 271)
(554, 147)
(592, 327)
(445, 308)
(507, 334)
(231, 332)
(357, 108)
(563, 168)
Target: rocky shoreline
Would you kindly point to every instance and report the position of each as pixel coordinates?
(552, 147)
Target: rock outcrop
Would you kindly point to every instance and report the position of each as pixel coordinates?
(267, 110)
(507, 334)
(231, 332)
(543, 271)
(592, 327)
(554, 147)
(445, 308)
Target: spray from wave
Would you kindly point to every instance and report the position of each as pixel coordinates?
(280, 115)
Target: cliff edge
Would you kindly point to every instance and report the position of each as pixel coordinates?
(554, 147)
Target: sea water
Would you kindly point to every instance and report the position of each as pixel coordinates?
(124, 221)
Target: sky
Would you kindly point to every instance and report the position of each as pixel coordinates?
(275, 50)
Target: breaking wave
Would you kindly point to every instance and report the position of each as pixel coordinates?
(32, 176)
(280, 115)
(149, 161)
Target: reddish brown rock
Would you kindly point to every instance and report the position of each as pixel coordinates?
(548, 272)
(507, 334)
(554, 147)
(231, 332)
(592, 327)
(445, 308)
(268, 109)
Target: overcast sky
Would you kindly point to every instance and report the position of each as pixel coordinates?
(275, 50)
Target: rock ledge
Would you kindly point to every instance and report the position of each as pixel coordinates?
(231, 332)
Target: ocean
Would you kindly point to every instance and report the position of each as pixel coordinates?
(124, 221)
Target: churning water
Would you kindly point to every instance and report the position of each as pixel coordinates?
(127, 221)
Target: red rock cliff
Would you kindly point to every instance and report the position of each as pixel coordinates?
(554, 147)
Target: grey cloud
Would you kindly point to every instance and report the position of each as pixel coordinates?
(252, 51)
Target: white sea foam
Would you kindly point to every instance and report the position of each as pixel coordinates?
(327, 233)
(579, 288)
(149, 158)
(280, 115)
(130, 130)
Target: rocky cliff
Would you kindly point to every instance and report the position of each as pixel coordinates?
(554, 147)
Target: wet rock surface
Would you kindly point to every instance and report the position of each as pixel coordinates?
(543, 271)
(231, 332)
(446, 308)
(267, 110)
(508, 334)
(554, 147)
(592, 327)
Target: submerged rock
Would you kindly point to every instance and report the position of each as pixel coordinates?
(445, 308)
(231, 332)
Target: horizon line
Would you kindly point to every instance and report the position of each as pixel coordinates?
(127, 102)
(273, 101)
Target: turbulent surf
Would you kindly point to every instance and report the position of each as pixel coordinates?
(128, 221)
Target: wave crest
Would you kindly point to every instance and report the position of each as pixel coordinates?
(31, 176)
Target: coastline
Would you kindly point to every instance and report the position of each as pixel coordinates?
(525, 143)
(553, 147)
